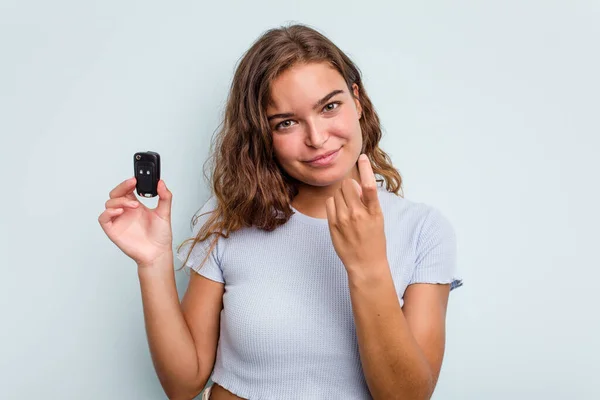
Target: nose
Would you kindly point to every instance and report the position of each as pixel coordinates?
(315, 136)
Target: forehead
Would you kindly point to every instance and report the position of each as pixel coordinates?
(304, 84)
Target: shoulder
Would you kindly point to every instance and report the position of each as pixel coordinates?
(416, 214)
(209, 205)
(203, 214)
(415, 222)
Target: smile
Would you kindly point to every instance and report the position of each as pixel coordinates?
(324, 161)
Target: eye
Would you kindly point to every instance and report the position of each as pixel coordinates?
(335, 103)
(283, 125)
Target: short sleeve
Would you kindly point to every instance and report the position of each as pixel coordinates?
(436, 252)
(212, 266)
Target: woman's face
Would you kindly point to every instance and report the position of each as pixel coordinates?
(312, 113)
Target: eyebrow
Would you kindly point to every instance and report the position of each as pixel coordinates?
(317, 105)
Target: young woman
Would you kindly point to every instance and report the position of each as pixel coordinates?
(313, 278)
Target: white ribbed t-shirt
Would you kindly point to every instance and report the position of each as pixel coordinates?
(287, 328)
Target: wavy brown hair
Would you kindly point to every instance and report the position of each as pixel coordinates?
(250, 187)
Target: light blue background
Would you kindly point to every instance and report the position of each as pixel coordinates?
(490, 113)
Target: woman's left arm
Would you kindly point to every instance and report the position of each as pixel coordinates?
(401, 349)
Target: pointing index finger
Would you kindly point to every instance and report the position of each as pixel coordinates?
(368, 183)
(367, 177)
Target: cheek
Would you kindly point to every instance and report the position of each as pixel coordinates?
(346, 127)
(285, 147)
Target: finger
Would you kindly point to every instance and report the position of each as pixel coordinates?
(368, 183)
(108, 215)
(351, 195)
(358, 188)
(124, 188)
(165, 198)
(341, 210)
(121, 202)
(330, 209)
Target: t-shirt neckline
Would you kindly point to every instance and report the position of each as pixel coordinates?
(308, 219)
(318, 221)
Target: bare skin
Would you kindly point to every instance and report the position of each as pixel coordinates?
(312, 131)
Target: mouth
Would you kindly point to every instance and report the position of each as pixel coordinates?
(322, 156)
(324, 159)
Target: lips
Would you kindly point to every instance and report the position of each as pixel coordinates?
(322, 156)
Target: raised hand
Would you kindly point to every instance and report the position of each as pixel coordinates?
(142, 233)
(356, 222)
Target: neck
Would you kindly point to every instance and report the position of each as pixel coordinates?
(310, 200)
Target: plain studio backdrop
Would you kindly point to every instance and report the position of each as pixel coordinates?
(490, 112)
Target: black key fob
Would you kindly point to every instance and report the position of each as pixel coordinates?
(146, 168)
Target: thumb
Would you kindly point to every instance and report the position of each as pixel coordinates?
(165, 198)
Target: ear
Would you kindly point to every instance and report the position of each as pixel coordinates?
(356, 97)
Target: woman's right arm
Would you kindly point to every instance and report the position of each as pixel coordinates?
(182, 337)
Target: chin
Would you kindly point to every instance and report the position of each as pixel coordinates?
(322, 178)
